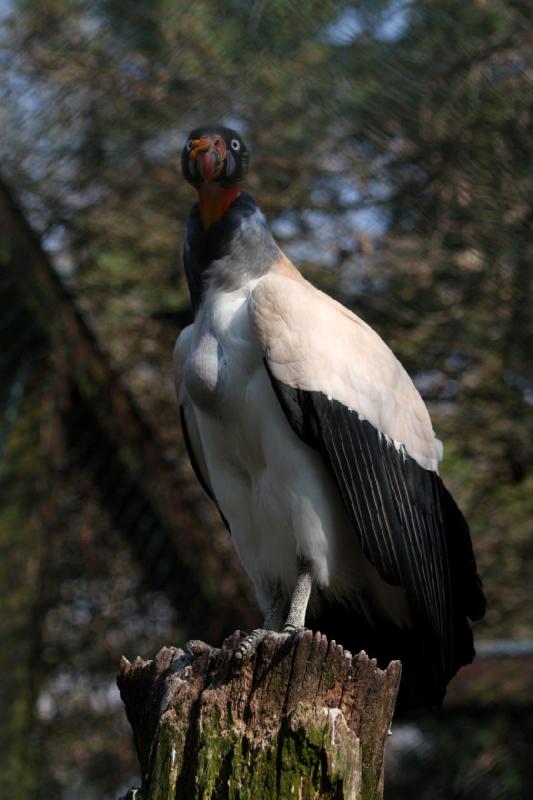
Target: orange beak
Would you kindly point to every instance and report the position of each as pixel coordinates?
(210, 154)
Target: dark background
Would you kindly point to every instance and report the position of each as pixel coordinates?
(392, 152)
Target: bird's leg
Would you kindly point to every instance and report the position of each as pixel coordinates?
(295, 620)
(300, 597)
(272, 623)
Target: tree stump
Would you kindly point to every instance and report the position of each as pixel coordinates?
(302, 719)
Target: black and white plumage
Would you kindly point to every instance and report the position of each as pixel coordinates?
(315, 445)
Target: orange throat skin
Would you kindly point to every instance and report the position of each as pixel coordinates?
(214, 201)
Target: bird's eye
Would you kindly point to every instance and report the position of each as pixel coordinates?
(235, 145)
(189, 144)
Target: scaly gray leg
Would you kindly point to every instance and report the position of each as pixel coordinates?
(295, 620)
(300, 597)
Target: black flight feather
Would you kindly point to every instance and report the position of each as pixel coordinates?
(411, 530)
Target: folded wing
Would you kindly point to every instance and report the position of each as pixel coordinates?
(345, 394)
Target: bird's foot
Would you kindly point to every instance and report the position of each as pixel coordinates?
(249, 645)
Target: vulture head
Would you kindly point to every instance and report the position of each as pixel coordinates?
(214, 154)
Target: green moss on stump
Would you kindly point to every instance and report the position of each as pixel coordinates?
(315, 755)
(294, 722)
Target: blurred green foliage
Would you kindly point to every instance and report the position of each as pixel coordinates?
(392, 151)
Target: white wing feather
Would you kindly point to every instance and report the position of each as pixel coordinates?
(313, 343)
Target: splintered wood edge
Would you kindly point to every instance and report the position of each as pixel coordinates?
(184, 690)
(356, 679)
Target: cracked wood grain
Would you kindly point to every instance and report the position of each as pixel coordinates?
(303, 718)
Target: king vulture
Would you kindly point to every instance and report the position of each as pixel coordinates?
(312, 440)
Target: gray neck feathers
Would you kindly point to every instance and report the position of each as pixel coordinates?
(236, 249)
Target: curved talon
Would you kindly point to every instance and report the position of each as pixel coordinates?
(249, 645)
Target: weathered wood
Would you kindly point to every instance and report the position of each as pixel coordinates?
(303, 718)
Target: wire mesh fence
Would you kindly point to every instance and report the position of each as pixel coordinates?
(391, 151)
(95, 563)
